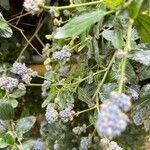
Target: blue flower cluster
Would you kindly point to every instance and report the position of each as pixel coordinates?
(109, 145)
(61, 55)
(112, 120)
(121, 100)
(85, 142)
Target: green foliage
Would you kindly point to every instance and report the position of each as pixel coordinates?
(5, 30)
(6, 110)
(79, 24)
(25, 124)
(104, 46)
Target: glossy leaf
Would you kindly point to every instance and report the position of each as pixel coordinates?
(79, 24)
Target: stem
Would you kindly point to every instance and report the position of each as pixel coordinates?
(124, 60)
(70, 6)
(86, 110)
(13, 130)
(29, 41)
(104, 77)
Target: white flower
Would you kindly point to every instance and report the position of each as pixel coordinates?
(32, 6)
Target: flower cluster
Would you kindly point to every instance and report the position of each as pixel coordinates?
(120, 54)
(62, 55)
(8, 83)
(133, 91)
(25, 73)
(67, 114)
(63, 71)
(109, 145)
(79, 129)
(38, 145)
(56, 146)
(45, 86)
(121, 100)
(112, 120)
(32, 6)
(86, 142)
(51, 114)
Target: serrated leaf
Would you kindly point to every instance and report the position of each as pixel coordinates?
(106, 90)
(135, 8)
(25, 124)
(79, 24)
(141, 56)
(144, 72)
(6, 110)
(142, 23)
(5, 30)
(5, 4)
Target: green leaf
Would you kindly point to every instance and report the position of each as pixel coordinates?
(85, 94)
(79, 24)
(6, 110)
(141, 56)
(145, 91)
(13, 102)
(142, 23)
(117, 39)
(51, 96)
(5, 30)
(5, 4)
(3, 144)
(25, 124)
(106, 90)
(113, 3)
(27, 145)
(135, 8)
(9, 138)
(17, 93)
(144, 72)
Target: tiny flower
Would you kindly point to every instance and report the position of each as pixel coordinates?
(56, 146)
(67, 114)
(63, 70)
(39, 145)
(138, 118)
(21, 86)
(62, 55)
(114, 146)
(86, 142)
(46, 85)
(19, 68)
(104, 142)
(32, 6)
(8, 83)
(51, 114)
(120, 54)
(26, 78)
(122, 100)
